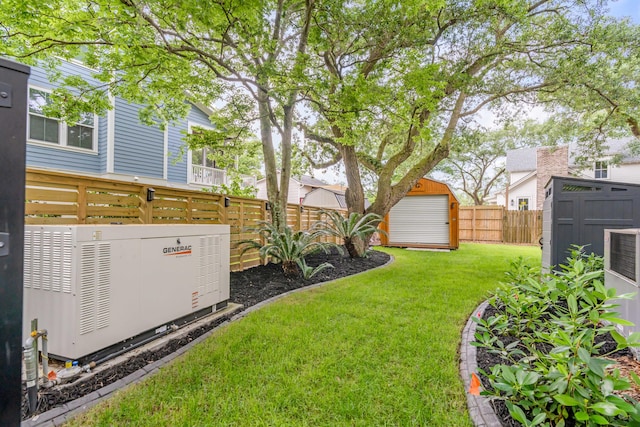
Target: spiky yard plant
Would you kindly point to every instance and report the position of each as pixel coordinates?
(290, 247)
(349, 229)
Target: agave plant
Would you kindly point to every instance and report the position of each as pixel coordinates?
(349, 229)
(290, 247)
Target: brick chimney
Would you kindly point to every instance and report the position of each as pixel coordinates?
(550, 161)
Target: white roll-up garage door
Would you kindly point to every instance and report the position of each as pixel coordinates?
(421, 220)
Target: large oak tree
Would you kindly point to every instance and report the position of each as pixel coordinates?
(392, 85)
(387, 83)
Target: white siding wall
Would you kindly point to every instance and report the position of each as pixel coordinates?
(526, 189)
(295, 192)
(626, 173)
(517, 176)
(322, 198)
(620, 173)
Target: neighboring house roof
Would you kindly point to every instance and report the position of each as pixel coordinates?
(303, 179)
(524, 159)
(337, 187)
(339, 195)
(618, 146)
(309, 180)
(521, 160)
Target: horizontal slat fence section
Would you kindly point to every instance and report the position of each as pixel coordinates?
(60, 199)
(496, 224)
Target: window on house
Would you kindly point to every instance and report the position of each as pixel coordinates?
(53, 131)
(41, 128)
(81, 135)
(203, 157)
(601, 170)
(523, 203)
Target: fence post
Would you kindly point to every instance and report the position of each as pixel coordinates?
(222, 210)
(82, 204)
(146, 207)
(189, 210)
(473, 225)
(505, 227)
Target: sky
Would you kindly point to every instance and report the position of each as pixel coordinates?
(625, 8)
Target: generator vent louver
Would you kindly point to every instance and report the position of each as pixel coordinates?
(95, 263)
(47, 260)
(623, 254)
(209, 265)
(621, 272)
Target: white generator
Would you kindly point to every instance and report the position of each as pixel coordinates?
(622, 272)
(93, 287)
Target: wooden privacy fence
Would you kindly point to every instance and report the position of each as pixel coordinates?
(496, 224)
(62, 198)
(522, 227)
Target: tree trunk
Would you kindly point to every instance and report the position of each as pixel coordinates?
(354, 195)
(356, 247)
(290, 268)
(278, 206)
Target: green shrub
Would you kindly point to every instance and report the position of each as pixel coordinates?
(289, 247)
(547, 331)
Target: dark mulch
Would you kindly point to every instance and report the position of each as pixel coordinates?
(248, 288)
(257, 284)
(486, 360)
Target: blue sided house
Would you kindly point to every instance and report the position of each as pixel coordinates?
(116, 146)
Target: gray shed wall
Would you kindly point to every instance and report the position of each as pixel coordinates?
(576, 211)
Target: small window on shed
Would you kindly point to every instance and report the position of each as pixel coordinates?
(571, 188)
(623, 251)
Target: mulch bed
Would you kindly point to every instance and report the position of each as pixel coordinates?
(251, 286)
(247, 287)
(485, 360)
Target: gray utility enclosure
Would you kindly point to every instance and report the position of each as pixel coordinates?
(576, 211)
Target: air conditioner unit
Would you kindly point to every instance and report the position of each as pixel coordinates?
(95, 287)
(622, 271)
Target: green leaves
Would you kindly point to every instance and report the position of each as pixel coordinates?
(566, 400)
(555, 372)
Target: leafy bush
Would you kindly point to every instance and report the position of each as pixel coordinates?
(355, 226)
(289, 247)
(547, 332)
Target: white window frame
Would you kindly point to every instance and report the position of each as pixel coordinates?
(519, 198)
(62, 130)
(607, 170)
(190, 126)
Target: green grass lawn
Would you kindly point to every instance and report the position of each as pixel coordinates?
(377, 349)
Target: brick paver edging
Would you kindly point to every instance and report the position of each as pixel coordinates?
(480, 410)
(61, 414)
